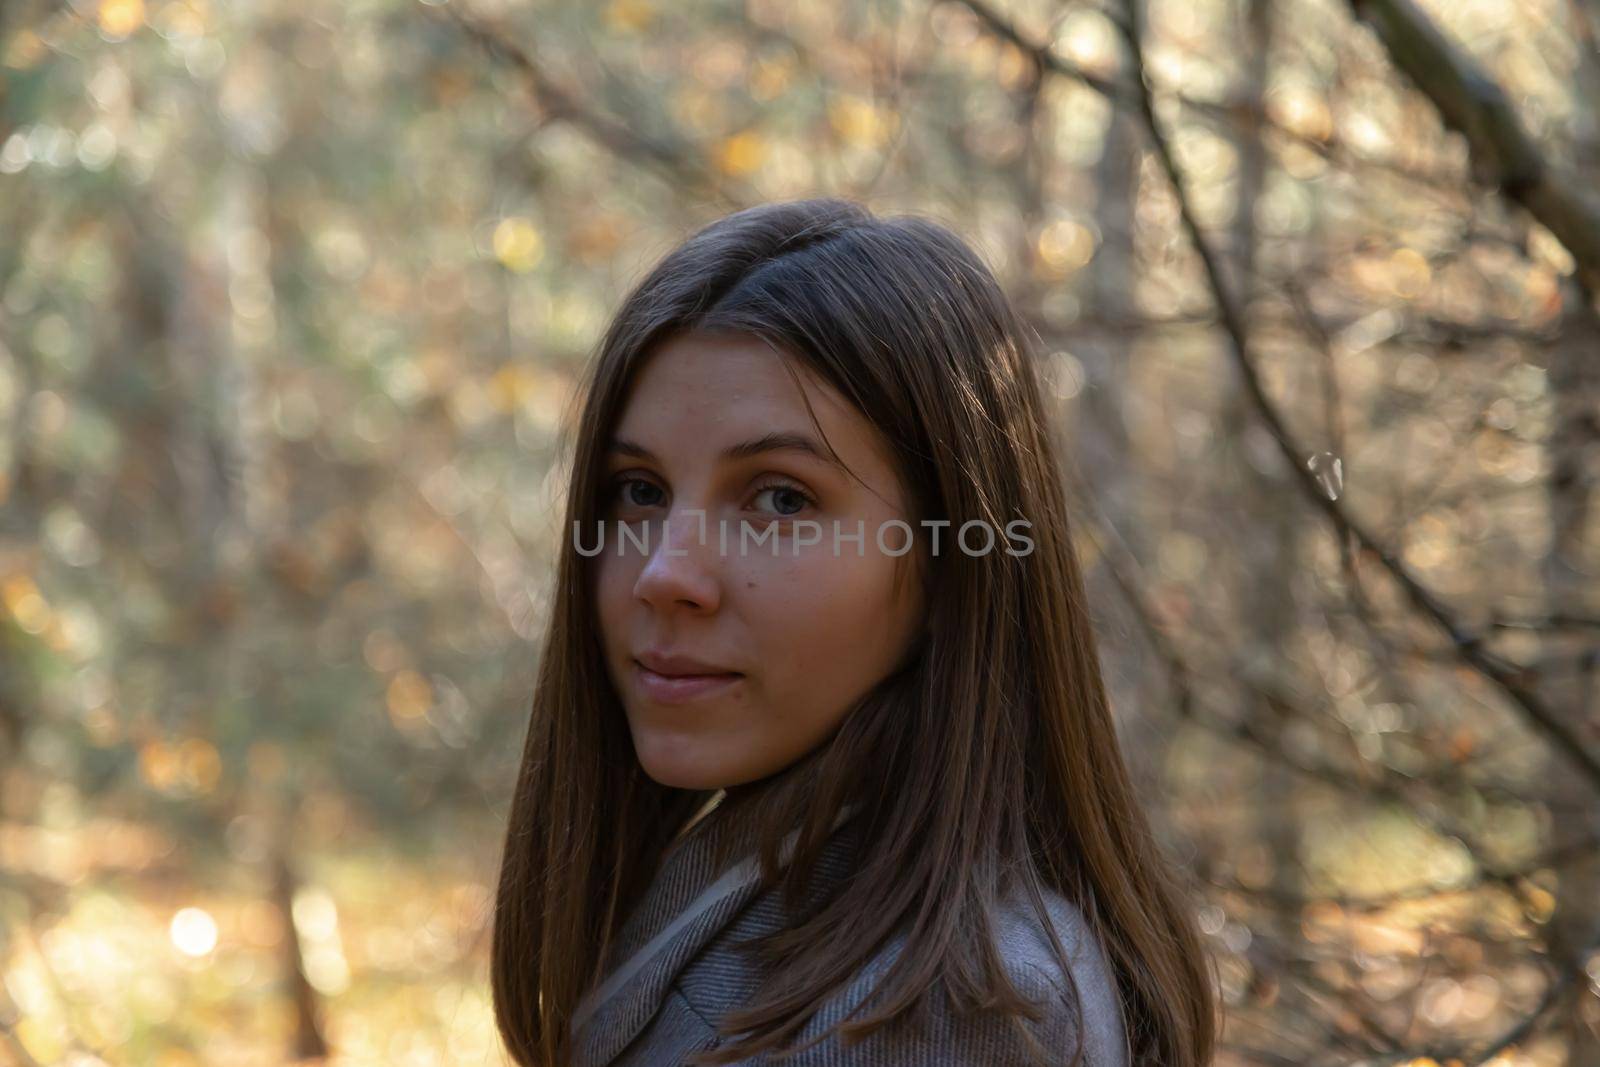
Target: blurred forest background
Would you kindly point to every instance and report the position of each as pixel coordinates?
(293, 298)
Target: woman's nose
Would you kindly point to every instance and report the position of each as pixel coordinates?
(682, 568)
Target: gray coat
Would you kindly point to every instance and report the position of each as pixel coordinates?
(674, 970)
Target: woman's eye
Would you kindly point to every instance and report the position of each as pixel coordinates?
(637, 492)
(786, 499)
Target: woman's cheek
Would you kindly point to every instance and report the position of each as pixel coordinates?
(815, 597)
(614, 582)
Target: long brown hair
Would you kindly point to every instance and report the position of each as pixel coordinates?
(996, 733)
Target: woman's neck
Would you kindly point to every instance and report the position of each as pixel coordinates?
(705, 809)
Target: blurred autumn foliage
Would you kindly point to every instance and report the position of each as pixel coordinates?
(293, 299)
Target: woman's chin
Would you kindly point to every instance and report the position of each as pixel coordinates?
(679, 762)
(682, 763)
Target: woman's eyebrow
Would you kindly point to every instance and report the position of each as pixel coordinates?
(776, 441)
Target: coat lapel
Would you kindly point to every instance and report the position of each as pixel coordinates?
(685, 906)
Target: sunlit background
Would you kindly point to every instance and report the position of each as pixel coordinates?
(293, 298)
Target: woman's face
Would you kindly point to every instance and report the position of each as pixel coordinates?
(759, 648)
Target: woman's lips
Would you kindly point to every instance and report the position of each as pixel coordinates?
(682, 688)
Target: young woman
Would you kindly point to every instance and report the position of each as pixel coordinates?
(820, 757)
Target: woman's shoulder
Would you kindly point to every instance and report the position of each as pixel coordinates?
(1025, 946)
(1022, 939)
(945, 1038)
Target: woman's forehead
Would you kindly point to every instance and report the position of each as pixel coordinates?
(725, 393)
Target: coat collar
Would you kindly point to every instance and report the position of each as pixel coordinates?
(689, 900)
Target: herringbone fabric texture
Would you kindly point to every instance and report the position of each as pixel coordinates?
(676, 970)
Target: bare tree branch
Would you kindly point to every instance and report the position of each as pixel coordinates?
(677, 161)
(1470, 646)
(1470, 101)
